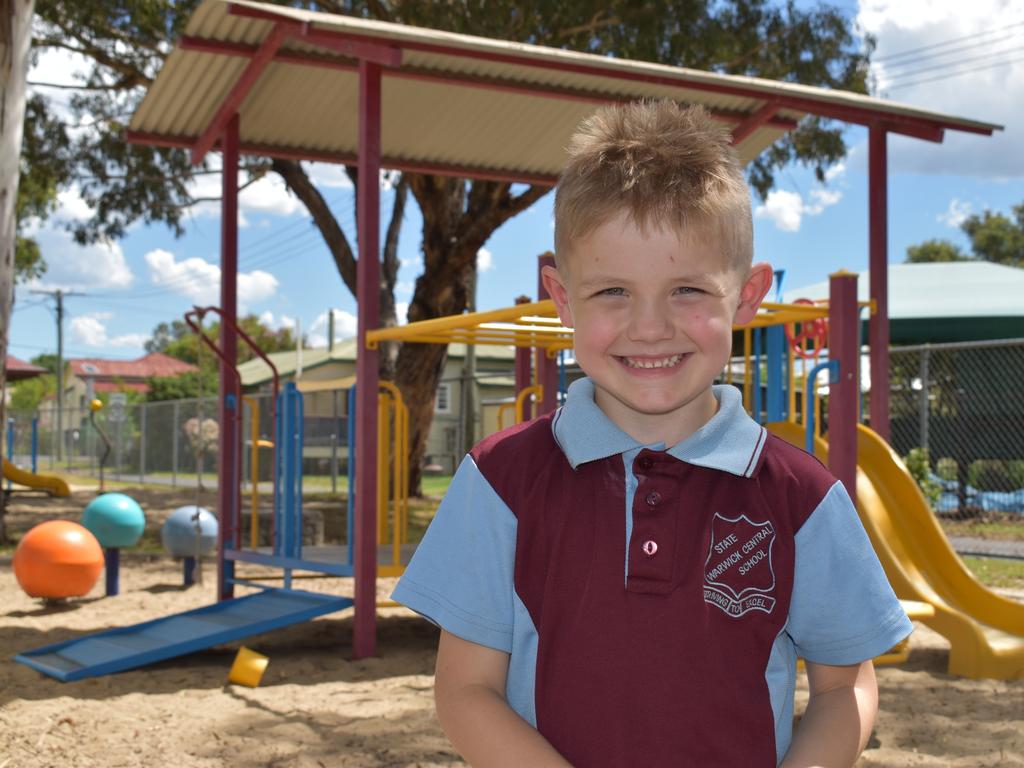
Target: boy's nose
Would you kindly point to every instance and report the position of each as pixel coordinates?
(649, 322)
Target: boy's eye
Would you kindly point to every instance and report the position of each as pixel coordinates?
(612, 292)
(686, 290)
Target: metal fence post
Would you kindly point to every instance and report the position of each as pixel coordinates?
(143, 407)
(175, 415)
(923, 404)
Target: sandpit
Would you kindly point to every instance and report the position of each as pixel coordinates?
(317, 707)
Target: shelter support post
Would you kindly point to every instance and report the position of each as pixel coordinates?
(227, 411)
(523, 367)
(878, 269)
(844, 324)
(547, 367)
(364, 638)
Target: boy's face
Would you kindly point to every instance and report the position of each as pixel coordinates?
(653, 321)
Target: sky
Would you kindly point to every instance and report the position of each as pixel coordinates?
(964, 59)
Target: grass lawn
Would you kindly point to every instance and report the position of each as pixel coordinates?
(997, 571)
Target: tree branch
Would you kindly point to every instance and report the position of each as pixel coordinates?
(298, 182)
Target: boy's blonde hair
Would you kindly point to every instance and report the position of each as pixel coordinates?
(666, 166)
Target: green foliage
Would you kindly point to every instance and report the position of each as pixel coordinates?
(997, 238)
(994, 237)
(935, 250)
(946, 468)
(46, 360)
(920, 469)
(29, 393)
(178, 340)
(996, 475)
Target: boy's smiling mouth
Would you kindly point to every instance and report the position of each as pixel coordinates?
(652, 362)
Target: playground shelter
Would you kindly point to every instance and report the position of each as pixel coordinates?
(273, 81)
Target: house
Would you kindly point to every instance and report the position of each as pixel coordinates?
(324, 376)
(945, 301)
(18, 370)
(90, 376)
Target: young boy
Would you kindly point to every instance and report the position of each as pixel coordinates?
(629, 581)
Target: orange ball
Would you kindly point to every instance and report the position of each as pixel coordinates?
(58, 559)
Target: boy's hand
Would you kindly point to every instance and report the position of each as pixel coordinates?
(469, 691)
(840, 714)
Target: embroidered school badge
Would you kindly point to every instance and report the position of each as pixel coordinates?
(738, 574)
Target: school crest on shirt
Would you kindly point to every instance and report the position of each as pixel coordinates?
(738, 573)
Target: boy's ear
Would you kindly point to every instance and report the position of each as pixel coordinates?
(752, 293)
(556, 288)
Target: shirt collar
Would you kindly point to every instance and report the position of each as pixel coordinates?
(731, 441)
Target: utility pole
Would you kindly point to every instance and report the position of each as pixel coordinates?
(468, 401)
(60, 294)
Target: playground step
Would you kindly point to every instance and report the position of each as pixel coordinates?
(124, 648)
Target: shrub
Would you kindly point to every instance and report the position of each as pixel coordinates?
(946, 468)
(920, 469)
(996, 475)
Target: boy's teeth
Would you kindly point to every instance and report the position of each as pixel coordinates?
(664, 362)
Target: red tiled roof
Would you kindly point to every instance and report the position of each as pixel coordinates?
(153, 364)
(124, 386)
(19, 369)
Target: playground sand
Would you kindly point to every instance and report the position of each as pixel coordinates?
(317, 707)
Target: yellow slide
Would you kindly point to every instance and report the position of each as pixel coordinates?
(985, 630)
(49, 483)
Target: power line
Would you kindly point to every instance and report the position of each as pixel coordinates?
(949, 75)
(955, 64)
(940, 54)
(948, 41)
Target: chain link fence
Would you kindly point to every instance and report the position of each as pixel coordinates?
(172, 443)
(957, 418)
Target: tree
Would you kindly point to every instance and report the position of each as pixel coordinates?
(124, 183)
(15, 40)
(935, 250)
(994, 237)
(178, 340)
(997, 238)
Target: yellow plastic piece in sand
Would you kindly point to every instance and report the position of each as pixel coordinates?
(248, 668)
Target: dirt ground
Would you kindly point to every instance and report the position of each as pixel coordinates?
(317, 707)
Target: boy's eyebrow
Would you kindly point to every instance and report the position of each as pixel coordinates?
(699, 278)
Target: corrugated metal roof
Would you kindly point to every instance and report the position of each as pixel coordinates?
(451, 103)
(941, 290)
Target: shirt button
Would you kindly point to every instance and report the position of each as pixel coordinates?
(653, 498)
(650, 547)
(645, 462)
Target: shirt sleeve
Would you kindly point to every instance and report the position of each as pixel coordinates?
(461, 575)
(843, 610)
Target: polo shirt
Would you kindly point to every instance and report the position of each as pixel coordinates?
(653, 600)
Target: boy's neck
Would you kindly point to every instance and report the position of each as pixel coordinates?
(667, 428)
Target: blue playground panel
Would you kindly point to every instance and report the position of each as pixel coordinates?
(117, 650)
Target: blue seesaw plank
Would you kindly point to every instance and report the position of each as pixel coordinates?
(115, 650)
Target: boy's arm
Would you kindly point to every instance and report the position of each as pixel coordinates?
(469, 691)
(839, 717)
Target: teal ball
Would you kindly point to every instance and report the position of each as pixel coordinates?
(116, 520)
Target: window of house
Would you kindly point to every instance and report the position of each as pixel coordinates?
(443, 402)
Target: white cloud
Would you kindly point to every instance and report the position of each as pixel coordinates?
(274, 323)
(329, 175)
(956, 214)
(787, 209)
(199, 280)
(782, 207)
(404, 288)
(960, 59)
(484, 260)
(402, 312)
(72, 207)
(90, 330)
(97, 267)
(344, 328)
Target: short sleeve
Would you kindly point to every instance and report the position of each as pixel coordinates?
(843, 610)
(461, 575)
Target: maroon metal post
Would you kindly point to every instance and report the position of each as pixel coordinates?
(523, 368)
(878, 269)
(547, 367)
(843, 322)
(227, 470)
(364, 639)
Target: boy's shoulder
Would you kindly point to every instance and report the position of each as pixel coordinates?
(522, 450)
(790, 476)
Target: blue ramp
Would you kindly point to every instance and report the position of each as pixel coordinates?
(116, 650)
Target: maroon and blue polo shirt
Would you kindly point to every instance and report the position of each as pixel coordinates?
(653, 601)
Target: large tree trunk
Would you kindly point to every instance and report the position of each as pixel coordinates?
(457, 222)
(15, 39)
